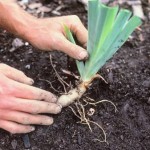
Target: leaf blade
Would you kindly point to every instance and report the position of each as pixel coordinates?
(80, 64)
(110, 43)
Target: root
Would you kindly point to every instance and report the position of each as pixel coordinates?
(101, 101)
(105, 138)
(70, 74)
(50, 83)
(58, 76)
(100, 77)
(85, 120)
(83, 116)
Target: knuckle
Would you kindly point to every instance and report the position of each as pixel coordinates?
(77, 29)
(26, 120)
(57, 42)
(73, 49)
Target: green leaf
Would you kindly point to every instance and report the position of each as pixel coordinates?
(108, 29)
(115, 45)
(110, 36)
(103, 25)
(93, 13)
(80, 64)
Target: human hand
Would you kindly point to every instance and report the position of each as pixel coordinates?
(48, 34)
(45, 34)
(21, 104)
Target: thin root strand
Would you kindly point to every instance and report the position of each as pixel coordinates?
(84, 120)
(101, 101)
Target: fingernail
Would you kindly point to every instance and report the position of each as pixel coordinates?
(85, 45)
(83, 55)
(58, 108)
(31, 81)
(48, 121)
(32, 128)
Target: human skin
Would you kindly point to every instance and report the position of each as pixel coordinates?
(47, 34)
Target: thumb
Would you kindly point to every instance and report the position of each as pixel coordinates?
(72, 50)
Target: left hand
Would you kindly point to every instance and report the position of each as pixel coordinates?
(22, 105)
(45, 34)
(48, 34)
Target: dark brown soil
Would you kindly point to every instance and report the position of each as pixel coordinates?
(128, 76)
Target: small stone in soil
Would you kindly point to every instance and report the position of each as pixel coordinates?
(26, 43)
(121, 137)
(16, 44)
(14, 144)
(79, 139)
(146, 83)
(24, 1)
(26, 141)
(148, 101)
(28, 66)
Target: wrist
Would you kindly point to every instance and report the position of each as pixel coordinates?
(25, 27)
(15, 20)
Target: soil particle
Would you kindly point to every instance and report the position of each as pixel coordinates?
(128, 87)
(26, 141)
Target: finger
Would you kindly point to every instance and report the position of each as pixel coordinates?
(71, 49)
(14, 128)
(30, 92)
(15, 74)
(79, 30)
(85, 45)
(25, 118)
(29, 106)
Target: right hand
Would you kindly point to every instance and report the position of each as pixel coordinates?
(48, 34)
(21, 104)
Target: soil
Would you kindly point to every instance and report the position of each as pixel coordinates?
(128, 76)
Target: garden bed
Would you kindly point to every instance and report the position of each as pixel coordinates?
(128, 77)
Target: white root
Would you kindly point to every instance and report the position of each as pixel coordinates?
(74, 94)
